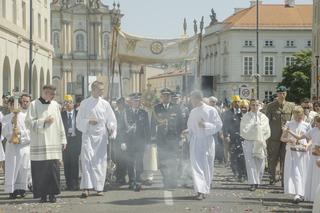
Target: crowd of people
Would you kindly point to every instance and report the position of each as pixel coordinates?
(190, 134)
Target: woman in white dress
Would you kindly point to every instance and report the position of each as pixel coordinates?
(313, 178)
(297, 155)
(316, 204)
(255, 130)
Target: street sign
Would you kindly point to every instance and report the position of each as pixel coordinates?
(245, 92)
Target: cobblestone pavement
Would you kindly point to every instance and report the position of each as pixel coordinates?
(226, 195)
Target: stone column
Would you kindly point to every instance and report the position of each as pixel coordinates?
(98, 40)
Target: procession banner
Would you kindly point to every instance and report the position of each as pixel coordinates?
(141, 50)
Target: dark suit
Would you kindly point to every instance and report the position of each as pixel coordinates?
(138, 136)
(231, 128)
(167, 125)
(72, 152)
(120, 155)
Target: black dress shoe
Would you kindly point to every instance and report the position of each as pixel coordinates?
(52, 199)
(12, 196)
(43, 199)
(30, 187)
(198, 196)
(137, 188)
(22, 193)
(252, 188)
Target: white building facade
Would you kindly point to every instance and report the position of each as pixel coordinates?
(14, 46)
(229, 48)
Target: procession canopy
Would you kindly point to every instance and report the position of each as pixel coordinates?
(134, 49)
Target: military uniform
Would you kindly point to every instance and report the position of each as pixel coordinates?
(278, 115)
(166, 126)
(138, 135)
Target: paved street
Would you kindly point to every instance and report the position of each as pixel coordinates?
(226, 196)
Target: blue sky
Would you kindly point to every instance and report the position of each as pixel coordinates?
(164, 18)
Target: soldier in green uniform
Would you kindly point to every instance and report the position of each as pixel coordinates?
(279, 112)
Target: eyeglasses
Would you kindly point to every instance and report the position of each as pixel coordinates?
(306, 107)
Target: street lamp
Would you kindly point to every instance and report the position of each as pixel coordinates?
(317, 76)
(257, 38)
(30, 49)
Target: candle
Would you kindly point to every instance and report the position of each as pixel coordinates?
(15, 103)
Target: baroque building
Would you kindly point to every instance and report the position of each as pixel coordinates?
(229, 47)
(14, 46)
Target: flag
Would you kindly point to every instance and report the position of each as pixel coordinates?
(141, 50)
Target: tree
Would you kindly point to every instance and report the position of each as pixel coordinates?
(297, 77)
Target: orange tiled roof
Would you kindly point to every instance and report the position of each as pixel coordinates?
(272, 16)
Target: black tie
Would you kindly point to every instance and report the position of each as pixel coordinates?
(69, 120)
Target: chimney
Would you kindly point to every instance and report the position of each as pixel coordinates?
(253, 3)
(289, 3)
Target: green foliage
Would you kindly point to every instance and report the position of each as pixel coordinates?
(297, 77)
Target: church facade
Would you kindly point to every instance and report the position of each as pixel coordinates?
(82, 39)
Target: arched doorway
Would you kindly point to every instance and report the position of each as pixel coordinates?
(17, 77)
(35, 86)
(26, 79)
(6, 76)
(48, 77)
(41, 79)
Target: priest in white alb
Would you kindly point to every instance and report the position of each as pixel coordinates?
(255, 130)
(48, 139)
(17, 155)
(204, 121)
(96, 120)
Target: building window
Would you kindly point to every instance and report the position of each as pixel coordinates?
(39, 25)
(106, 41)
(289, 60)
(247, 65)
(14, 11)
(290, 43)
(248, 43)
(309, 43)
(56, 40)
(45, 29)
(268, 43)
(80, 42)
(268, 95)
(268, 65)
(24, 15)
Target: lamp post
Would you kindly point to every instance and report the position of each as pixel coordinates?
(30, 49)
(317, 76)
(257, 41)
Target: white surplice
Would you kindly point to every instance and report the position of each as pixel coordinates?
(2, 155)
(17, 160)
(94, 141)
(316, 204)
(296, 163)
(255, 130)
(202, 145)
(313, 171)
